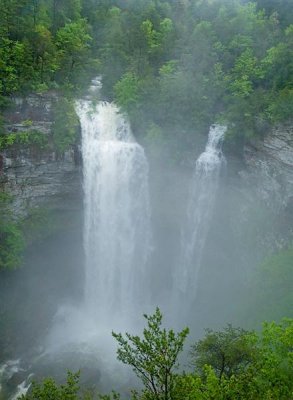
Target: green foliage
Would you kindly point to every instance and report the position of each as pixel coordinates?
(281, 108)
(66, 124)
(228, 352)
(126, 91)
(274, 366)
(227, 60)
(112, 396)
(11, 238)
(50, 390)
(45, 56)
(271, 294)
(180, 66)
(11, 245)
(16, 69)
(42, 43)
(267, 375)
(154, 357)
(72, 42)
(25, 138)
(263, 374)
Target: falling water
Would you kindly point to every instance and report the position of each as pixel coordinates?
(199, 211)
(117, 216)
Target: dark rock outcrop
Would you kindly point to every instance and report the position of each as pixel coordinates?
(38, 176)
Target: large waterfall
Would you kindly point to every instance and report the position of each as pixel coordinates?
(117, 216)
(199, 211)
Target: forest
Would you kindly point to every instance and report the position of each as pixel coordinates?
(168, 64)
(175, 67)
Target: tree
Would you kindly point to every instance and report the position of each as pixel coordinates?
(73, 42)
(228, 352)
(153, 358)
(50, 390)
(64, 11)
(12, 18)
(15, 66)
(271, 294)
(126, 91)
(273, 367)
(44, 53)
(12, 242)
(65, 126)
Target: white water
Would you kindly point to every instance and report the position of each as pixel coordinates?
(7, 370)
(117, 216)
(199, 212)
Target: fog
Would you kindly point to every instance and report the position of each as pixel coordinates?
(181, 237)
(183, 233)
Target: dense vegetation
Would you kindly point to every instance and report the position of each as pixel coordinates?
(229, 364)
(175, 66)
(271, 296)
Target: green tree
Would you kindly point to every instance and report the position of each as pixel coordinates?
(271, 294)
(66, 124)
(228, 352)
(50, 390)
(273, 368)
(267, 376)
(64, 11)
(13, 18)
(11, 237)
(126, 91)
(153, 358)
(73, 42)
(44, 53)
(16, 70)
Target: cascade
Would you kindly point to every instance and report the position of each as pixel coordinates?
(199, 212)
(117, 214)
(116, 243)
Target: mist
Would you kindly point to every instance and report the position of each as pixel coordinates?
(150, 165)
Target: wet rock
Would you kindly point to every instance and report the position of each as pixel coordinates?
(16, 379)
(269, 167)
(265, 192)
(35, 176)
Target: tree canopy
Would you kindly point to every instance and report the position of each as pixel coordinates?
(259, 365)
(177, 65)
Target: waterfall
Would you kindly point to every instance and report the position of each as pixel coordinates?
(199, 212)
(117, 215)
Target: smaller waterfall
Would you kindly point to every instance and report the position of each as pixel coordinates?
(199, 212)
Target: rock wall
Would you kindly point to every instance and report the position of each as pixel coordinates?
(269, 167)
(40, 177)
(37, 177)
(264, 204)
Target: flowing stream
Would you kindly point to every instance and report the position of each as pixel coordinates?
(199, 212)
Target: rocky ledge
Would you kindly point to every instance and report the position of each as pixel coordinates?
(35, 176)
(269, 168)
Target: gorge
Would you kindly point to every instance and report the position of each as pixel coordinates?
(117, 225)
(146, 160)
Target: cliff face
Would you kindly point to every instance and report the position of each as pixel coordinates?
(38, 176)
(269, 168)
(263, 211)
